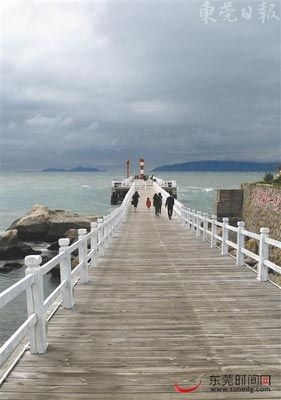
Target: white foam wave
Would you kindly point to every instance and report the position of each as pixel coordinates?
(204, 189)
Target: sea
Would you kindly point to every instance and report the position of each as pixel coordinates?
(88, 193)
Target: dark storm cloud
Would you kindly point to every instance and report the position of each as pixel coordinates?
(95, 83)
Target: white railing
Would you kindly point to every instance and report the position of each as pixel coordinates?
(127, 182)
(206, 227)
(165, 184)
(90, 246)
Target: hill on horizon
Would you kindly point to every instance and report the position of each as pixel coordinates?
(76, 169)
(220, 166)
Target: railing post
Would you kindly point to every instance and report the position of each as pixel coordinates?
(105, 231)
(240, 257)
(188, 218)
(204, 238)
(35, 305)
(213, 231)
(109, 221)
(263, 255)
(100, 236)
(225, 231)
(115, 220)
(193, 220)
(83, 253)
(198, 222)
(94, 243)
(182, 213)
(110, 226)
(184, 219)
(113, 223)
(65, 274)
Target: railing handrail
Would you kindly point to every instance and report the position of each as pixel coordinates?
(198, 222)
(35, 324)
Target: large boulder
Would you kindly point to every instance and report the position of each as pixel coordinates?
(35, 224)
(9, 238)
(65, 221)
(43, 224)
(17, 252)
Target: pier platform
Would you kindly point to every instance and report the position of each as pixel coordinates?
(161, 308)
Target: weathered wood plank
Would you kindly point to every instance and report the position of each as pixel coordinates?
(161, 307)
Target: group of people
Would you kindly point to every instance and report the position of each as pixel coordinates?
(157, 203)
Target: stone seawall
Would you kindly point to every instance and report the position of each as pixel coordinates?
(256, 204)
(262, 208)
(229, 203)
(259, 206)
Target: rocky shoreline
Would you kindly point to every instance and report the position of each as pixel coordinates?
(40, 226)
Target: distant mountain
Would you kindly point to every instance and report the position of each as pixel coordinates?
(85, 169)
(54, 170)
(220, 166)
(77, 169)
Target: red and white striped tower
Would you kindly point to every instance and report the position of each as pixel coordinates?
(141, 168)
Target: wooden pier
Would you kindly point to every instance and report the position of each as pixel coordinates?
(161, 308)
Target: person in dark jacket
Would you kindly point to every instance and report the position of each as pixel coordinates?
(156, 204)
(135, 200)
(170, 205)
(160, 202)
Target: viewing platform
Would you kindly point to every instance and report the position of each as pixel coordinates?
(152, 303)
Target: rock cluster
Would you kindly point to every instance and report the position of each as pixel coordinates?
(17, 251)
(44, 224)
(41, 224)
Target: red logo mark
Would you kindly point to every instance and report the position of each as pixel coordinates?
(265, 380)
(187, 390)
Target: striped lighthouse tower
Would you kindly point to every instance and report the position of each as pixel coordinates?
(141, 168)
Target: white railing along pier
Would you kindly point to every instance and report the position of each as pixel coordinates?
(90, 246)
(206, 227)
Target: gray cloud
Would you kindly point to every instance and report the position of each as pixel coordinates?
(99, 82)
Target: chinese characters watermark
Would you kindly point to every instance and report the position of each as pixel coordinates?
(230, 383)
(240, 383)
(225, 12)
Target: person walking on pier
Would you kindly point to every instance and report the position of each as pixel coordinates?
(156, 204)
(148, 203)
(160, 202)
(170, 205)
(135, 200)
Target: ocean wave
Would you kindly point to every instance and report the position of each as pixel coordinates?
(203, 189)
(86, 186)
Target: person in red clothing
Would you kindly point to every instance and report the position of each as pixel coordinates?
(148, 203)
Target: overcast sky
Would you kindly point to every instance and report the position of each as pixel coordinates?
(94, 83)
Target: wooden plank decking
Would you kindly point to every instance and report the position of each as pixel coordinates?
(162, 307)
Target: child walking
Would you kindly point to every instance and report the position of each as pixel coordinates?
(148, 203)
